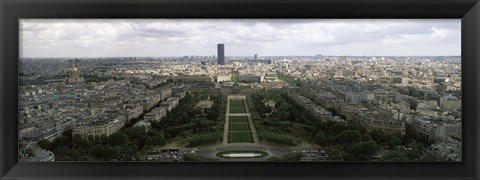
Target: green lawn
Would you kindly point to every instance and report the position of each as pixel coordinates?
(239, 127)
(238, 119)
(239, 123)
(239, 137)
(237, 106)
(239, 130)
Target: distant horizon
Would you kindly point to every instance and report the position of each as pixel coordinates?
(242, 37)
(245, 56)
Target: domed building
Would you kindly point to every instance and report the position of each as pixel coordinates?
(73, 75)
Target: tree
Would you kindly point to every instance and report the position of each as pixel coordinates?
(64, 158)
(331, 139)
(413, 105)
(206, 124)
(348, 137)
(153, 132)
(320, 139)
(117, 139)
(351, 127)
(156, 141)
(79, 141)
(379, 136)
(334, 151)
(102, 138)
(283, 115)
(394, 141)
(283, 107)
(61, 142)
(349, 157)
(366, 137)
(106, 152)
(212, 114)
(113, 153)
(415, 152)
(84, 158)
(363, 150)
(183, 117)
(98, 151)
(75, 154)
(419, 147)
(45, 144)
(293, 116)
(394, 156)
(339, 127)
(135, 132)
(138, 156)
(156, 125)
(68, 133)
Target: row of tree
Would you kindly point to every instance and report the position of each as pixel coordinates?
(127, 144)
(289, 79)
(132, 143)
(342, 139)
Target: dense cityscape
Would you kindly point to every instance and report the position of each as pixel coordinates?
(241, 108)
(162, 90)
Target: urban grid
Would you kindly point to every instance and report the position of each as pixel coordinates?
(240, 108)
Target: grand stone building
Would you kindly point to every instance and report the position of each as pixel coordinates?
(99, 126)
(73, 75)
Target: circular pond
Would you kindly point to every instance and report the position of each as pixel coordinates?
(242, 154)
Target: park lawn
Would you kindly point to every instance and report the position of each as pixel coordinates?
(239, 137)
(238, 119)
(236, 102)
(237, 106)
(239, 127)
(238, 110)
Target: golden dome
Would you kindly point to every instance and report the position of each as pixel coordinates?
(73, 68)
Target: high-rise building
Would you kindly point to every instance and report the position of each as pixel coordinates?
(221, 54)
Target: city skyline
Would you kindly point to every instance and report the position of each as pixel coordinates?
(265, 37)
(294, 109)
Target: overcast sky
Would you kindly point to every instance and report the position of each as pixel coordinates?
(179, 37)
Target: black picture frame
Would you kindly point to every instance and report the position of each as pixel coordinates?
(13, 10)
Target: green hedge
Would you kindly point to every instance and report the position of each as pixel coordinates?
(260, 130)
(192, 157)
(307, 128)
(205, 139)
(180, 128)
(279, 139)
(255, 115)
(206, 122)
(277, 123)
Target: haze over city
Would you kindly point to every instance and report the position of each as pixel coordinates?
(267, 37)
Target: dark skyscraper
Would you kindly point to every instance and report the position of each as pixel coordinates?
(221, 54)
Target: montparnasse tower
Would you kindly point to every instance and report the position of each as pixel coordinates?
(73, 75)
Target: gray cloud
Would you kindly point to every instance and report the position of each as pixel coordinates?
(178, 37)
